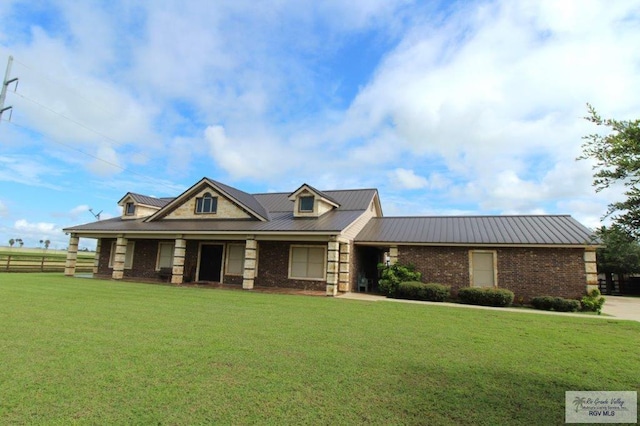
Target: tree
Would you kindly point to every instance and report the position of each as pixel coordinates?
(12, 242)
(617, 157)
(47, 243)
(620, 254)
(19, 241)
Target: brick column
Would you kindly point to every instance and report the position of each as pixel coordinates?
(179, 250)
(591, 268)
(393, 255)
(72, 255)
(250, 258)
(345, 263)
(333, 259)
(96, 259)
(118, 259)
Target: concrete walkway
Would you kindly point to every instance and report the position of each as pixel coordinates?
(626, 308)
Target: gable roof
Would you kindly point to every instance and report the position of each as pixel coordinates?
(277, 207)
(311, 189)
(242, 199)
(147, 200)
(465, 230)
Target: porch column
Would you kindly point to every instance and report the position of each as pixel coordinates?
(250, 256)
(393, 255)
(591, 268)
(345, 266)
(179, 250)
(96, 259)
(333, 259)
(118, 259)
(72, 255)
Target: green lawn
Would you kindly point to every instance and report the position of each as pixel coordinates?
(101, 352)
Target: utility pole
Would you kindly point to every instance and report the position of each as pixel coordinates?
(5, 83)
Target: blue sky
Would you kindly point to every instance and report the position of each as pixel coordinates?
(469, 107)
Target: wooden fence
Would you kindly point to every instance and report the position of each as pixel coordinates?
(40, 263)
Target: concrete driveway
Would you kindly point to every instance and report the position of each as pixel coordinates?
(622, 307)
(626, 308)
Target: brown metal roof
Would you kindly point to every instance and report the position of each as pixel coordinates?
(331, 222)
(500, 230)
(148, 200)
(276, 206)
(348, 199)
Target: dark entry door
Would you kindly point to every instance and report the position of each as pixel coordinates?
(210, 262)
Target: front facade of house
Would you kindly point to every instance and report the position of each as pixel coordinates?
(330, 241)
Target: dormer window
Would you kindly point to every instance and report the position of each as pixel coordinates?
(306, 204)
(206, 204)
(129, 209)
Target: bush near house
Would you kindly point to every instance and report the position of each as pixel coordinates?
(550, 303)
(593, 301)
(393, 275)
(498, 297)
(415, 290)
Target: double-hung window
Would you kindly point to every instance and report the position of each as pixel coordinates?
(128, 259)
(165, 255)
(235, 259)
(483, 268)
(307, 262)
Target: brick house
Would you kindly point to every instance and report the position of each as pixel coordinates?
(331, 241)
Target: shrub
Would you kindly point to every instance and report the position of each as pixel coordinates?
(549, 303)
(544, 303)
(499, 297)
(593, 301)
(393, 275)
(415, 290)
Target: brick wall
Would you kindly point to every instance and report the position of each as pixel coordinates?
(528, 272)
(273, 267)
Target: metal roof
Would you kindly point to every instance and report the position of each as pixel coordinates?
(348, 199)
(148, 200)
(498, 230)
(276, 207)
(331, 222)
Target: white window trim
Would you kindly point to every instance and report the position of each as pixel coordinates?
(313, 204)
(495, 267)
(165, 243)
(131, 245)
(226, 259)
(324, 262)
(126, 208)
(212, 197)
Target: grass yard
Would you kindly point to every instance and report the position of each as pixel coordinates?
(101, 352)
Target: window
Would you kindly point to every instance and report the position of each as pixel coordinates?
(235, 259)
(307, 262)
(128, 259)
(306, 204)
(129, 209)
(165, 255)
(483, 271)
(206, 204)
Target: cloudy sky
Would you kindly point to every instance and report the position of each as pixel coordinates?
(468, 107)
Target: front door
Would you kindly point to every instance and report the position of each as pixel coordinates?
(210, 262)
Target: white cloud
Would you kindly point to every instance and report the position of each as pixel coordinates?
(407, 179)
(497, 86)
(4, 210)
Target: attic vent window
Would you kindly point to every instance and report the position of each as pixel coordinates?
(129, 209)
(306, 204)
(206, 204)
